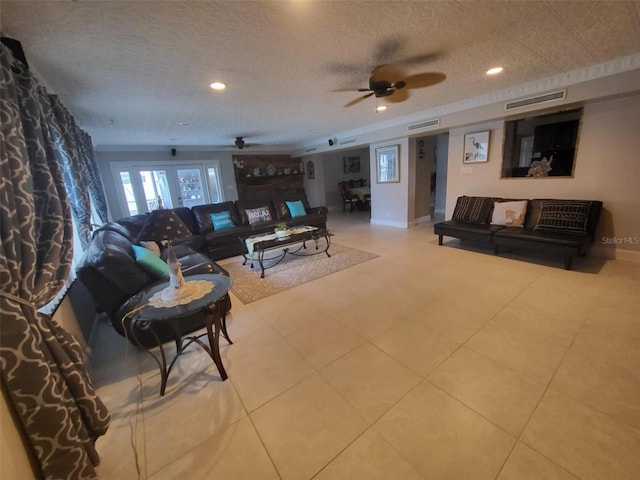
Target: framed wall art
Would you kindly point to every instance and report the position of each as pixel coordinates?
(387, 164)
(311, 171)
(351, 164)
(476, 147)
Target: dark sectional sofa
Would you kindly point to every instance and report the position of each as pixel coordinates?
(226, 243)
(554, 226)
(111, 274)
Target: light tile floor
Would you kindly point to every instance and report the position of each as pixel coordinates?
(434, 362)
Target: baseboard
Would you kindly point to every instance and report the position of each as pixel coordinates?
(419, 220)
(615, 253)
(389, 223)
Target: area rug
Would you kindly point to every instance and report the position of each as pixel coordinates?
(292, 271)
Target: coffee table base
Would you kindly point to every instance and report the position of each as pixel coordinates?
(275, 260)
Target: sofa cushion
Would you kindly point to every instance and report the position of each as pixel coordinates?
(296, 209)
(222, 220)
(473, 209)
(563, 216)
(151, 246)
(511, 214)
(150, 262)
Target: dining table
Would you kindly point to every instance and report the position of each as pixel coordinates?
(361, 192)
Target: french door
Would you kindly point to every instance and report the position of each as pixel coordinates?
(146, 187)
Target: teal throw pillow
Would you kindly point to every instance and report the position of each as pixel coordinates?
(222, 220)
(296, 209)
(151, 263)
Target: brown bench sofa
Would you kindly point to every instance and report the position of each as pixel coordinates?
(554, 226)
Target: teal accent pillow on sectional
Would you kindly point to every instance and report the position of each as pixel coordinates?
(151, 263)
(222, 220)
(296, 209)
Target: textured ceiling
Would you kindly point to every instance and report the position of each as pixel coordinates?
(131, 72)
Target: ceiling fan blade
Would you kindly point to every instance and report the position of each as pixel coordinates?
(387, 49)
(357, 100)
(398, 96)
(418, 59)
(385, 73)
(422, 80)
(342, 68)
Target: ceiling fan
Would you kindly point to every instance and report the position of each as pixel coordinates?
(387, 81)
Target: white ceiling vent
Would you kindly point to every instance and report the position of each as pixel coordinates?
(347, 142)
(547, 97)
(434, 122)
(310, 149)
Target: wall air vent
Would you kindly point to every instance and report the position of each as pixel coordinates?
(347, 142)
(434, 122)
(547, 97)
(311, 149)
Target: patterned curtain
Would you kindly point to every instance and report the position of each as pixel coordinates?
(88, 158)
(42, 365)
(67, 151)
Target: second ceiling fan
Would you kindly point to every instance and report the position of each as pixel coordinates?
(387, 81)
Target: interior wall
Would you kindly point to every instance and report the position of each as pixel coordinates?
(607, 168)
(332, 164)
(425, 150)
(105, 158)
(390, 201)
(442, 161)
(315, 187)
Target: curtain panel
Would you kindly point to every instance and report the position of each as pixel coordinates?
(42, 364)
(90, 164)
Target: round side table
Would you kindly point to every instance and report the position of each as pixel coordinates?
(143, 313)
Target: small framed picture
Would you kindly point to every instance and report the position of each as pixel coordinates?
(311, 170)
(387, 164)
(476, 147)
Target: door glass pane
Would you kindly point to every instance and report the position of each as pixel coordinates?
(128, 193)
(156, 189)
(191, 188)
(214, 185)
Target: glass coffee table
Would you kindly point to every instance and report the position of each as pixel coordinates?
(146, 312)
(257, 245)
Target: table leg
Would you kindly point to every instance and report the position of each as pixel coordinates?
(213, 322)
(261, 262)
(162, 361)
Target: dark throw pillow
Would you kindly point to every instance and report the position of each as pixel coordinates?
(472, 209)
(563, 216)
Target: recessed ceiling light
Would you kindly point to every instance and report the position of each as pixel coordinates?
(494, 70)
(218, 86)
(381, 108)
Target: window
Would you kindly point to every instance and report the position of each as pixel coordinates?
(541, 146)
